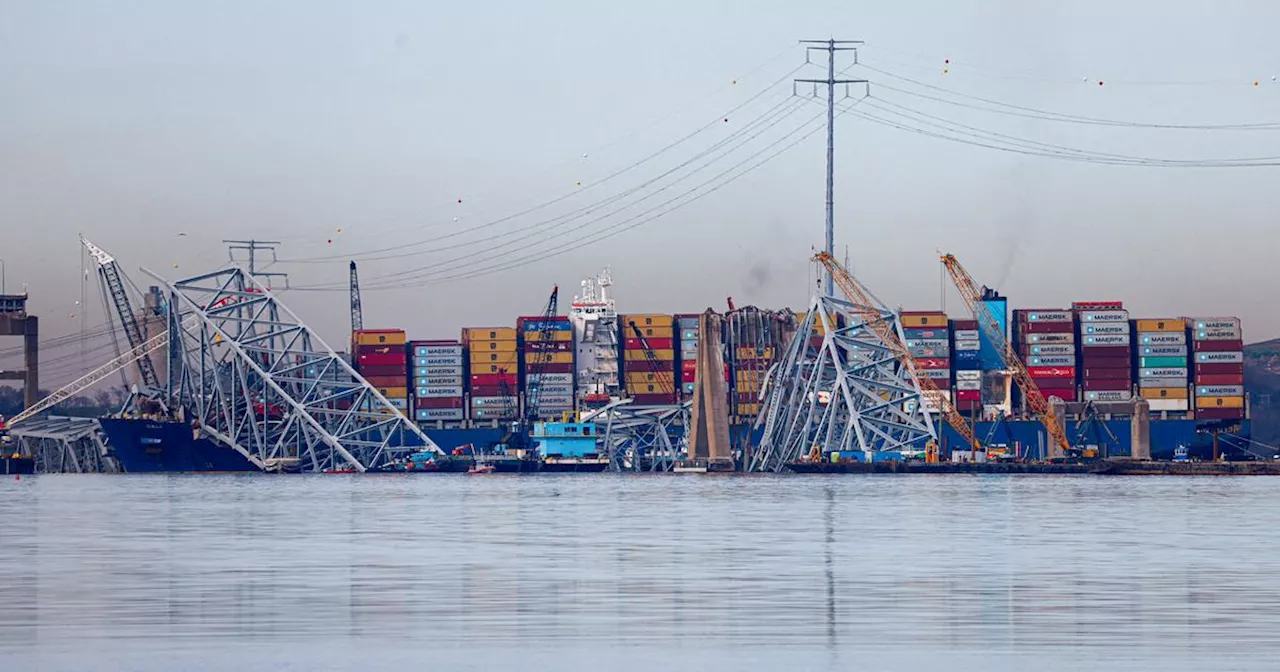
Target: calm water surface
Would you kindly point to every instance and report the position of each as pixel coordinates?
(603, 572)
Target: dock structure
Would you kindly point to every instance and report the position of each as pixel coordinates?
(709, 441)
(14, 321)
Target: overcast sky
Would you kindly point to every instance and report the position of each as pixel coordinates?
(135, 122)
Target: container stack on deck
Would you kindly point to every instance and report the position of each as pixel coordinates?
(1046, 342)
(687, 337)
(966, 362)
(548, 363)
(491, 352)
(650, 383)
(438, 376)
(928, 336)
(753, 338)
(1105, 347)
(1218, 356)
(379, 355)
(1160, 345)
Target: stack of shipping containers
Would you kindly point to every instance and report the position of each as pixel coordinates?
(548, 364)
(650, 383)
(1218, 357)
(928, 336)
(438, 377)
(379, 355)
(1105, 351)
(966, 362)
(491, 352)
(1160, 346)
(1046, 341)
(687, 337)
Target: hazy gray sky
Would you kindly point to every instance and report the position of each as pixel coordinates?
(133, 122)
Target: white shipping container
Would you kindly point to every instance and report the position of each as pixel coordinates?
(1162, 382)
(436, 392)
(966, 335)
(1220, 390)
(1169, 338)
(491, 402)
(1049, 316)
(968, 384)
(968, 375)
(1163, 351)
(438, 381)
(1117, 339)
(1157, 405)
(1052, 360)
(439, 360)
(1053, 350)
(445, 370)
(426, 414)
(551, 378)
(1217, 323)
(1042, 339)
(1163, 373)
(1219, 357)
(968, 346)
(558, 400)
(1232, 334)
(1105, 316)
(557, 389)
(1108, 395)
(489, 414)
(938, 374)
(1104, 329)
(437, 350)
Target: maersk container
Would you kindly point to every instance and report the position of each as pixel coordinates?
(1170, 405)
(439, 381)
(1161, 362)
(1219, 402)
(1116, 339)
(1147, 381)
(969, 375)
(1053, 360)
(490, 402)
(1164, 393)
(1220, 390)
(430, 371)
(557, 389)
(919, 351)
(1105, 316)
(1053, 350)
(1108, 395)
(1097, 384)
(1045, 328)
(1105, 329)
(1166, 372)
(1163, 351)
(442, 360)
(555, 400)
(1169, 338)
(429, 392)
(1216, 323)
(966, 335)
(917, 334)
(492, 414)
(1219, 379)
(968, 384)
(1105, 374)
(1050, 339)
(437, 351)
(1219, 358)
(1044, 316)
(1232, 334)
(974, 345)
(430, 414)
(937, 374)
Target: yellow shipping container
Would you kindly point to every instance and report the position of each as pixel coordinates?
(645, 377)
(535, 336)
(548, 357)
(923, 321)
(1159, 324)
(818, 327)
(648, 388)
(1164, 393)
(648, 332)
(394, 392)
(643, 320)
(748, 409)
(755, 353)
(640, 356)
(379, 337)
(487, 345)
(470, 334)
(752, 386)
(504, 358)
(749, 375)
(1219, 402)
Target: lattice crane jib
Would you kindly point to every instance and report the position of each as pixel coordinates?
(861, 298)
(254, 377)
(536, 368)
(971, 293)
(113, 279)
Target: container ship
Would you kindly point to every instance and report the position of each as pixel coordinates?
(1095, 357)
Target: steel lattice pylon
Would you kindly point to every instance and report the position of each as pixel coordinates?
(850, 394)
(249, 374)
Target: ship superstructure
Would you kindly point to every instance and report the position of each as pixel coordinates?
(594, 317)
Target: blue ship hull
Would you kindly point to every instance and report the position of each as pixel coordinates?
(148, 446)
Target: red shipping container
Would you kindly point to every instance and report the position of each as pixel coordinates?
(394, 359)
(1220, 369)
(388, 381)
(690, 365)
(653, 399)
(1219, 346)
(1054, 383)
(550, 368)
(649, 367)
(1094, 373)
(964, 325)
(1052, 371)
(1219, 379)
(688, 376)
(1107, 385)
(1104, 351)
(438, 402)
(933, 363)
(492, 379)
(654, 343)
(1047, 327)
(1088, 362)
(1220, 414)
(968, 395)
(1063, 394)
(435, 342)
(367, 371)
(491, 390)
(379, 349)
(1095, 306)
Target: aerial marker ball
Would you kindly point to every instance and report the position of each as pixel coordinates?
(339, 229)
(330, 241)
(946, 61)
(1099, 82)
(459, 200)
(944, 71)
(455, 219)
(584, 155)
(579, 183)
(735, 81)
(1255, 82)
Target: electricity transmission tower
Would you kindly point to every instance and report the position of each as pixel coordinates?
(252, 247)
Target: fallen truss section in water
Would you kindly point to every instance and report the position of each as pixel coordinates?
(641, 438)
(249, 374)
(66, 445)
(848, 393)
